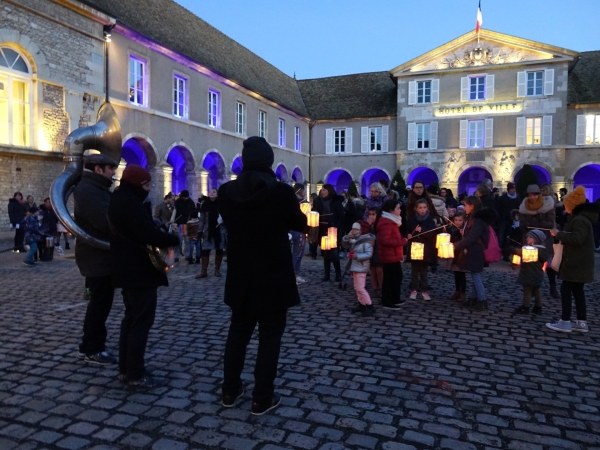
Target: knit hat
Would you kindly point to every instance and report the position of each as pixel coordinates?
(510, 186)
(257, 153)
(136, 175)
(537, 235)
(533, 189)
(574, 198)
(356, 226)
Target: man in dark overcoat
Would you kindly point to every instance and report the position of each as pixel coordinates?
(258, 212)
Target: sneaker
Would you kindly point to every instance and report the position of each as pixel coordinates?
(395, 306)
(537, 310)
(580, 326)
(426, 296)
(100, 359)
(259, 410)
(413, 295)
(563, 326)
(79, 355)
(522, 310)
(229, 400)
(147, 382)
(300, 280)
(29, 263)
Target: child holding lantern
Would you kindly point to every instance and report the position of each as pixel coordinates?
(360, 243)
(531, 273)
(421, 224)
(460, 276)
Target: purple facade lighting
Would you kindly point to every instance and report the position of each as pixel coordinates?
(340, 179)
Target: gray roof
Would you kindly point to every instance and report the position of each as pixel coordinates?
(171, 25)
(361, 95)
(584, 79)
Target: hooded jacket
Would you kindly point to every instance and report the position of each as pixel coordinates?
(16, 211)
(468, 252)
(259, 212)
(577, 263)
(544, 217)
(363, 248)
(439, 203)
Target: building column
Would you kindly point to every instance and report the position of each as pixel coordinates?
(204, 182)
(119, 172)
(157, 191)
(167, 178)
(194, 184)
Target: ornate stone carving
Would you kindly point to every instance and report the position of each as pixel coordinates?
(448, 165)
(480, 56)
(504, 165)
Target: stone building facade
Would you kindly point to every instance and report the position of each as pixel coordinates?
(187, 96)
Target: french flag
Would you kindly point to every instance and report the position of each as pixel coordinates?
(479, 18)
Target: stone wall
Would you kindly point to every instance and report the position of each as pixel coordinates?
(56, 122)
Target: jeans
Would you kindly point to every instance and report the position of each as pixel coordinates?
(566, 289)
(271, 326)
(94, 325)
(140, 310)
(392, 279)
(528, 292)
(298, 244)
(195, 244)
(418, 276)
(477, 290)
(360, 280)
(33, 248)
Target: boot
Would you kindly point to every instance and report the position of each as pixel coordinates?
(190, 260)
(454, 296)
(67, 246)
(197, 260)
(368, 311)
(204, 271)
(461, 297)
(218, 259)
(358, 309)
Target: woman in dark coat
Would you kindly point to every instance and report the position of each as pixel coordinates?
(577, 265)
(418, 192)
(17, 209)
(330, 207)
(469, 251)
(212, 233)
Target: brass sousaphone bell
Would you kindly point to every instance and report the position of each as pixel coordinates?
(105, 137)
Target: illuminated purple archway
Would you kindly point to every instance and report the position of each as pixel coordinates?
(297, 175)
(237, 165)
(540, 172)
(589, 177)
(340, 179)
(182, 162)
(138, 151)
(424, 174)
(372, 176)
(215, 166)
(281, 173)
(471, 178)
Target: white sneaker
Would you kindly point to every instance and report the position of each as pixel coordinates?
(562, 325)
(426, 296)
(300, 280)
(580, 326)
(413, 295)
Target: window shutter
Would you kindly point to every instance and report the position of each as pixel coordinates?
(548, 81)
(580, 137)
(412, 92)
(489, 87)
(521, 84)
(412, 136)
(547, 130)
(385, 131)
(348, 140)
(329, 141)
(521, 124)
(364, 139)
(464, 131)
(489, 133)
(433, 135)
(435, 91)
(464, 89)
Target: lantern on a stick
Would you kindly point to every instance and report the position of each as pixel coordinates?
(305, 208)
(442, 238)
(332, 235)
(312, 219)
(530, 254)
(516, 260)
(416, 251)
(446, 250)
(325, 245)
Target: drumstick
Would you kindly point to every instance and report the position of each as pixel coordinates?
(425, 232)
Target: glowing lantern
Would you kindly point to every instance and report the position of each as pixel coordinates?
(516, 260)
(442, 238)
(416, 251)
(446, 250)
(305, 207)
(530, 254)
(325, 243)
(332, 235)
(312, 219)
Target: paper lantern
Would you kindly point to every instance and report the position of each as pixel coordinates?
(332, 235)
(416, 251)
(516, 260)
(446, 250)
(312, 219)
(530, 254)
(305, 207)
(442, 238)
(325, 243)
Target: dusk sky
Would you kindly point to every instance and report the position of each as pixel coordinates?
(321, 38)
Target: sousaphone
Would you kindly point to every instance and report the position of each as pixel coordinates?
(105, 137)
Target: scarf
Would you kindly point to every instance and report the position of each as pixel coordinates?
(211, 209)
(511, 196)
(393, 217)
(536, 204)
(421, 218)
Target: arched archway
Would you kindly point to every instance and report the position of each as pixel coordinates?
(588, 176)
(424, 174)
(297, 175)
(180, 158)
(137, 150)
(281, 173)
(371, 176)
(340, 179)
(542, 174)
(472, 177)
(215, 166)
(237, 165)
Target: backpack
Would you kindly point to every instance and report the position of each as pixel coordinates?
(492, 252)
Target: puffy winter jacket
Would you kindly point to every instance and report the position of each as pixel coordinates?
(363, 248)
(389, 241)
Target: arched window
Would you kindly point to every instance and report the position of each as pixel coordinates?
(15, 98)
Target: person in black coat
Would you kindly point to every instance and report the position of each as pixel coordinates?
(132, 229)
(184, 206)
(17, 209)
(258, 212)
(48, 229)
(330, 207)
(505, 204)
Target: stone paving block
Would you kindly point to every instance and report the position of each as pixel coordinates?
(72, 443)
(45, 436)
(168, 444)
(301, 441)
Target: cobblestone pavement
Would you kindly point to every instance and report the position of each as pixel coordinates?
(429, 376)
